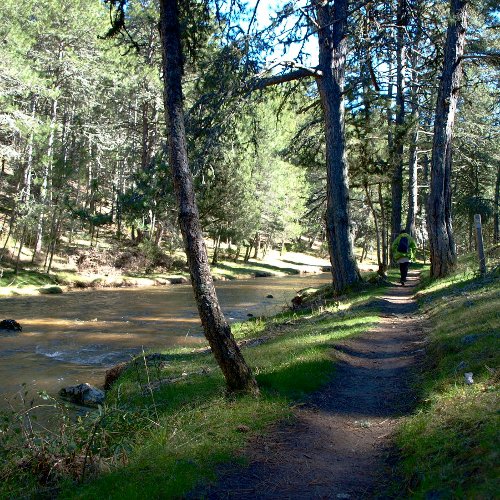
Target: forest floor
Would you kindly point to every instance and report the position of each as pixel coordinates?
(339, 443)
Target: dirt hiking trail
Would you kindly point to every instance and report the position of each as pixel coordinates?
(339, 443)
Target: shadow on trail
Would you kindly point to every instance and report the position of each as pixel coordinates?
(358, 353)
(339, 442)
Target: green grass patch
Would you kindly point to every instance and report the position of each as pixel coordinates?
(450, 445)
(198, 427)
(25, 278)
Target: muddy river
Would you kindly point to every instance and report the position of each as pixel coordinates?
(73, 338)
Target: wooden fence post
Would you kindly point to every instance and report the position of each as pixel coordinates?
(479, 244)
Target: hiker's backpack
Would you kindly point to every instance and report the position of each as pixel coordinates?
(403, 245)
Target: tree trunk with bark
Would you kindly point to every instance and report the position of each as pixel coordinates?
(413, 165)
(413, 205)
(215, 256)
(256, 246)
(496, 218)
(46, 195)
(439, 217)
(331, 26)
(332, 38)
(26, 189)
(217, 331)
(384, 231)
(381, 268)
(411, 225)
(399, 133)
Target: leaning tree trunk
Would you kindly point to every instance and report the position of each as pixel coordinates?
(439, 220)
(332, 38)
(217, 331)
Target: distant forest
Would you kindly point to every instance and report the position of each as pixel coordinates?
(82, 124)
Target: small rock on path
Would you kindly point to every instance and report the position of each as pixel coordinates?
(339, 444)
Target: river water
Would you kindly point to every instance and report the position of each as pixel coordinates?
(73, 338)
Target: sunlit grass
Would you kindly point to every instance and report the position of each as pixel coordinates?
(161, 444)
(23, 282)
(450, 446)
(240, 269)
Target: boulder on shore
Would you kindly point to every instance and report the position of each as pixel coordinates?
(178, 280)
(297, 301)
(162, 281)
(10, 325)
(83, 394)
(50, 290)
(263, 274)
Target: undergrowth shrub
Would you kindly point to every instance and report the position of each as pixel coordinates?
(38, 452)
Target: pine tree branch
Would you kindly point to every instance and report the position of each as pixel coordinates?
(302, 72)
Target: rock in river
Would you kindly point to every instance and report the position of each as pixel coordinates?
(10, 325)
(263, 274)
(83, 394)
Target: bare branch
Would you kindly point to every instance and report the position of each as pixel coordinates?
(492, 56)
(302, 72)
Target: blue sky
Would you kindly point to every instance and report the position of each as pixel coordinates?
(265, 11)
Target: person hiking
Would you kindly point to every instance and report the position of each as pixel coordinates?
(403, 251)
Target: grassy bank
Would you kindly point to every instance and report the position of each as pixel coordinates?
(450, 446)
(23, 282)
(168, 423)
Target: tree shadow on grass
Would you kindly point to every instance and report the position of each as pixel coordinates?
(457, 287)
(296, 379)
(10, 278)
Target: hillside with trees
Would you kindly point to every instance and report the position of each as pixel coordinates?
(83, 131)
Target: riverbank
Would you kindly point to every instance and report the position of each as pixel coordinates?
(176, 411)
(71, 338)
(32, 282)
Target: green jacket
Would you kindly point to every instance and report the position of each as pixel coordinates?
(412, 248)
